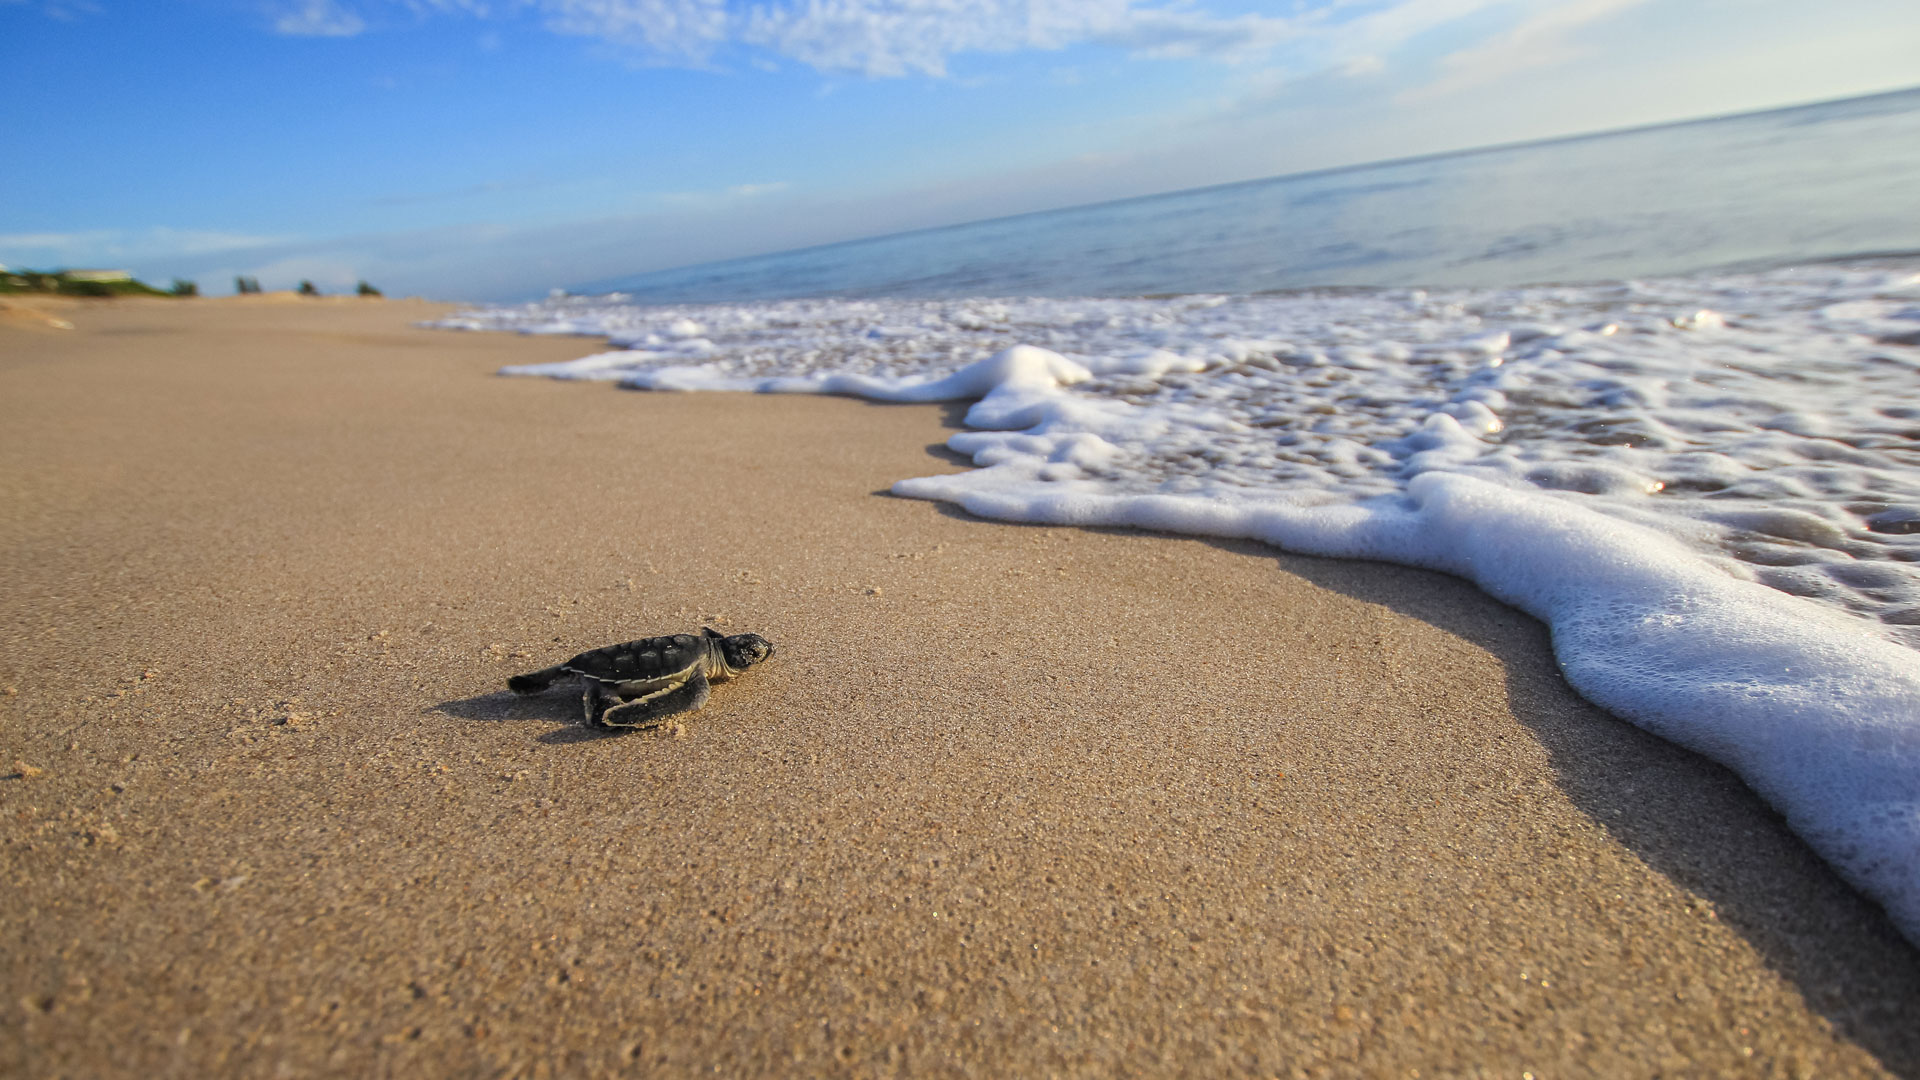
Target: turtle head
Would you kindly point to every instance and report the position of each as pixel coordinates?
(742, 651)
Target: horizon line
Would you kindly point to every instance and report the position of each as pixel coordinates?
(605, 285)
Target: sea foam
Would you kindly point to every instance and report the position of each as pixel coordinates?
(1709, 488)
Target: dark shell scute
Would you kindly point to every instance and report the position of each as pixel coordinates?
(647, 658)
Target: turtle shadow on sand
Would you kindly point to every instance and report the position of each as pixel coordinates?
(504, 706)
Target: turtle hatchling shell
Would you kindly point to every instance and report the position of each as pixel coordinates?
(648, 658)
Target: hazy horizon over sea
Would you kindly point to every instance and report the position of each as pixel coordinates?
(1805, 183)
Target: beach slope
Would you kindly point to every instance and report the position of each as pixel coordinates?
(1007, 801)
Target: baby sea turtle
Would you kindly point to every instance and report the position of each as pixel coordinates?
(640, 683)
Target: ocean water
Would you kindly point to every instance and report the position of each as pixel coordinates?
(1707, 483)
(1760, 189)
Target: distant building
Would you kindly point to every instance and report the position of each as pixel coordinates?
(103, 276)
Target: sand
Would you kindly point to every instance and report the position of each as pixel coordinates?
(1009, 801)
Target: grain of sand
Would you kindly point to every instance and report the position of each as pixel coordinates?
(1009, 801)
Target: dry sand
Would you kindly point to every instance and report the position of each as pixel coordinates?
(1009, 801)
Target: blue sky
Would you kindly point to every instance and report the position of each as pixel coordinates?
(492, 149)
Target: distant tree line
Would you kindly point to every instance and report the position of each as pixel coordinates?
(247, 285)
(74, 283)
(119, 283)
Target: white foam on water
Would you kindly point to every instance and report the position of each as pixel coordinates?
(1709, 488)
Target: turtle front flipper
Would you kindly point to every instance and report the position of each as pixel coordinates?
(649, 710)
(535, 681)
(597, 700)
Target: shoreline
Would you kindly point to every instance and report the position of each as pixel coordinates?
(1009, 799)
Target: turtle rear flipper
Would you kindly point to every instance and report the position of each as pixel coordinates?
(535, 681)
(650, 710)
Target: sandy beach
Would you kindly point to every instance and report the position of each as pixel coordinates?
(1008, 801)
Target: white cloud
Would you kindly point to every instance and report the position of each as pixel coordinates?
(1546, 39)
(197, 241)
(93, 247)
(878, 38)
(64, 10)
(668, 30)
(1186, 33)
(479, 8)
(719, 197)
(39, 241)
(1331, 40)
(318, 18)
(894, 38)
(900, 37)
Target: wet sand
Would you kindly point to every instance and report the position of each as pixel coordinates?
(1009, 801)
